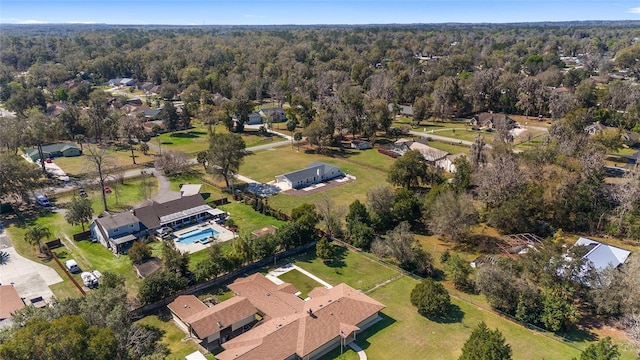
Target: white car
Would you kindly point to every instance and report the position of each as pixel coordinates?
(72, 266)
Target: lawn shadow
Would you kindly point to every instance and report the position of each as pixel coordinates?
(384, 321)
(205, 196)
(189, 134)
(167, 143)
(454, 315)
(482, 243)
(337, 260)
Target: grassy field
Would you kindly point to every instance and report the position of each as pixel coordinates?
(263, 166)
(172, 336)
(248, 219)
(450, 148)
(463, 134)
(79, 166)
(302, 282)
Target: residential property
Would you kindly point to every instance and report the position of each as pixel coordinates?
(404, 110)
(277, 114)
(267, 230)
(54, 150)
(288, 327)
(629, 138)
(190, 189)
(360, 144)
(10, 302)
(601, 255)
(489, 120)
(216, 324)
(121, 82)
(434, 157)
(118, 231)
(254, 119)
(315, 173)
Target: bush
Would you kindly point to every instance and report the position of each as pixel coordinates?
(431, 298)
(139, 252)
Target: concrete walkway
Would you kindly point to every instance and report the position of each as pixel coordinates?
(273, 275)
(361, 354)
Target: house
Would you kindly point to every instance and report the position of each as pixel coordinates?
(405, 110)
(10, 303)
(54, 150)
(292, 328)
(434, 157)
(629, 138)
(121, 82)
(489, 120)
(118, 231)
(602, 256)
(254, 119)
(315, 173)
(360, 145)
(277, 114)
(216, 324)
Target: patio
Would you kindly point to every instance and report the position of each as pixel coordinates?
(223, 234)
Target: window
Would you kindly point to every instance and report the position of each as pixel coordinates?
(116, 230)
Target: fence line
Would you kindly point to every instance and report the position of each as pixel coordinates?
(64, 268)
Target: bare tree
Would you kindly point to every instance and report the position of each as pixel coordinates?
(452, 215)
(101, 162)
(498, 180)
(477, 154)
(331, 215)
(173, 162)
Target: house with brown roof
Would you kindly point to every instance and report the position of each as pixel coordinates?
(489, 120)
(434, 157)
(292, 328)
(212, 325)
(629, 138)
(10, 301)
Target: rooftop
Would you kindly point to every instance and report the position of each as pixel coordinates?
(10, 301)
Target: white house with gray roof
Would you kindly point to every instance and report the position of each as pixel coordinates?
(602, 256)
(315, 173)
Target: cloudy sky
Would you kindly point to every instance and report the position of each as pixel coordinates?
(273, 12)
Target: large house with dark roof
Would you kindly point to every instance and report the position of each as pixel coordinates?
(489, 120)
(315, 173)
(118, 231)
(54, 150)
(290, 328)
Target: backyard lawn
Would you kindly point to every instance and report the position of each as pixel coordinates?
(463, 134)
(450, 148)
(172, 336)
(247, 219)
(302, 282)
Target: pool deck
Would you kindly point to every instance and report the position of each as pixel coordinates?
(223, 235)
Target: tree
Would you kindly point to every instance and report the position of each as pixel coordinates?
(324, 249)
(160, 285)
(380, 202)
(602, 350)
(202, 158)
(101, 162)
(16, 176)
(408, 170)
(431, 299)
(360, 234)
(226, 152)
(485, 344)
(79, 211)
(173, 162)
(458, 270)
(35, 234)
(452, 215)
(477, 154)
(358, 213)
(39, 129)
(462, 175)
(139, 252)
(297, 136)
(406, 206)
(144, 147)
(173, 259)
(306, 215)
(212, 265)
(330, 215)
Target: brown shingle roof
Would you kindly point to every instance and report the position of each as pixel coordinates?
(266, 296)
(10, 301)
(185, 306)
(334, 310)
(220, 316)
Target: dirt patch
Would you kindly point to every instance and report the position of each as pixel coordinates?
(327, 185)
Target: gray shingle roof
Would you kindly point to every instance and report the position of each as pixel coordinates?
(117, 220)
(150, 215)
(309, 171)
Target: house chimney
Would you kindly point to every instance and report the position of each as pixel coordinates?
(310, 312)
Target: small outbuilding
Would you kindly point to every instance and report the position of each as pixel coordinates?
(53, 151)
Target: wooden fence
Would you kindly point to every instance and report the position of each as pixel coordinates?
(85, 235)
(64, 268)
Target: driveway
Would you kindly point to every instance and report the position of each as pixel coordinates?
(31, 279)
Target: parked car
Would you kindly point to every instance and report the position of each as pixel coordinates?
(107, 190)
(72, 266)
(89, 279)
(82, 192)
(48, 160)
(42, 200)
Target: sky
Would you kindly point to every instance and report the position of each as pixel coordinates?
(306, 12)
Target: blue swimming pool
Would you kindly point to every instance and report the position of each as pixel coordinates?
(199, 235)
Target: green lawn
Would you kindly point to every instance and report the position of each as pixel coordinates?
(302, 282)
(172, 336)
(404, 334)
(248, 219)
(263, 166)
(79, 166)
(351, 268)
(450, 148)
(208, 192)
(197, 138)
(463, 134)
